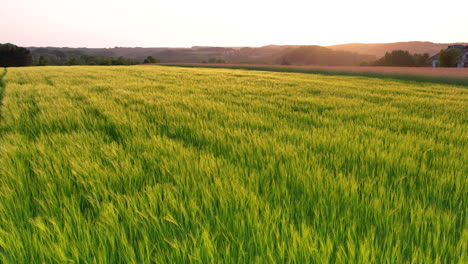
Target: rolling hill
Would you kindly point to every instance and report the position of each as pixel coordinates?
(270, 54)
(379, 49)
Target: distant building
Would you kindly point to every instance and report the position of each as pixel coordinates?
(464, 58)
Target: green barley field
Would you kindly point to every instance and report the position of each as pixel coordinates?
(153, 164)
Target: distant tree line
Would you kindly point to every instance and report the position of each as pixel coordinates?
(317, 55)
(67, 56)
(401, 58)
(99, 60)
(14, 56)
(103, 61)
(150, 59)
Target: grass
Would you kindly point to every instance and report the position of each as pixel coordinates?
(2, 87)
(148, 164)
(381, 75)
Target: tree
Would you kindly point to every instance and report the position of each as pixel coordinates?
(89, 59)
(450, 57)
(421, 60)
(402, 58)
(14, 56)
(396, 58)
(150, 59)
(105, 61)
(121, 61)
(72, 61)
(42, 61)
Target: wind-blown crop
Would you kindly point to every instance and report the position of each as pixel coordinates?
(188, 165)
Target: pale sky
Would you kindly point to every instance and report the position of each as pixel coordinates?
(184, 23)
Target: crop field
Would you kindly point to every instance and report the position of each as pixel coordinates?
(423, 71)
(153, 164)
(458, 76)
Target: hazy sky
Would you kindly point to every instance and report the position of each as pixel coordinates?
(178, 23)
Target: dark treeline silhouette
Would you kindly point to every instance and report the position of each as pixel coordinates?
(98, 60)
(14, 56)
(317, 55)
(69, 56)
(402, 58)
(150, 59)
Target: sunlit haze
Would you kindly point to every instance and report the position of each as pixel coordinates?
(176, 23)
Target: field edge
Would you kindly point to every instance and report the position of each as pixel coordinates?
(2, 92)
(395, 76)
